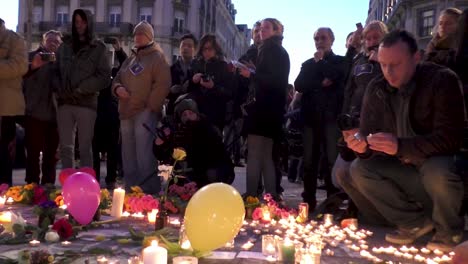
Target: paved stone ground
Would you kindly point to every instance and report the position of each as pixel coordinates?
(292, 196)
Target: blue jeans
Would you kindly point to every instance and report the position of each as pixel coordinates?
(138, 162)
(403, 193)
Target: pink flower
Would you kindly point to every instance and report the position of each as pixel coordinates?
(284, 214)
(257, 213)
(267, 197)
(169, 206)
(186, 196)
(3, 188)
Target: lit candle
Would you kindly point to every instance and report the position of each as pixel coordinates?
(266, 216)
(413, 250)
(118, 198)
(152, 216)
(438, 252)
(185, 260)
(138, 215)
(287, 251)
(268, 245)
(186, 244)
(257, 231)
(408, 256)
(445, 258)
(125, 214)
(328, 219)
(102, 260)
(175, 222)
(66, 243)
(2, 201)
(5, 217)
(404, 249)
(34, 243)
(154, 254)
(246, 246)
(425, 251)
(419, 258)
(10, 200)
(398, 254)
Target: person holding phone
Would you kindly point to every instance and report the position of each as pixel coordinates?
(40, 122)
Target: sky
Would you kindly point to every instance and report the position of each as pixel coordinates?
(300, 19)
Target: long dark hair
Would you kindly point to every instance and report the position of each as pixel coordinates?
(84, 15)
(462, 34)
(209, 38)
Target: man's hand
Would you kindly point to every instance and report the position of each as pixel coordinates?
(122, 92)
(208, 85)
(357, 38)
(37, 62)
(197, 77)
(318, 55)
(354, 141)
(158, 141)
(383, 142)
(326, 82)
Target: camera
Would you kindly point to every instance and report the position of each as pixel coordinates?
(207, 77)
(348, 121)
(47, 56)
(110, 40)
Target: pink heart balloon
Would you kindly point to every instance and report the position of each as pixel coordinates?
(88, 170)
(64, 174)
(82, 195)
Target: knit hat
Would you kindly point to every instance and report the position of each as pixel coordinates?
(185, 104)
(145, 28)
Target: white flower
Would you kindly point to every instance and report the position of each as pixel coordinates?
(51, 236)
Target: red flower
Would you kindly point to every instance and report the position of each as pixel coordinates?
(257, 213)
(63, 228)
(40, 195)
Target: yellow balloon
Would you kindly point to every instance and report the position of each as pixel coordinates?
(214, 216)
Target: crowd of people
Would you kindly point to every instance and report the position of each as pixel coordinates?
(384, 124)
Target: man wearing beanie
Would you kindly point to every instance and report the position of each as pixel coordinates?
(141, 86)
(203, 143)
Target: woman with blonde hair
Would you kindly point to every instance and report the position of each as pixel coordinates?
(443, 47)
(264, 119)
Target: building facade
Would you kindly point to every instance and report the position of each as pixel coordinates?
(417, 16)
(170, 19)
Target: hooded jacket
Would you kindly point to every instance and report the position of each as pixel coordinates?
(13, 65)
(82, 67)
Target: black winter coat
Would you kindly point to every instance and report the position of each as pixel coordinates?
(316, 99)
(212, 102)
(266, 113)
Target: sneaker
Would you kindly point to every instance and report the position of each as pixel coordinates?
(403, 236)
(444, 243)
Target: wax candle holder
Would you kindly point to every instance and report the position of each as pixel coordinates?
(102, 260)
(303, 213)
(328, 219)
(268, 245)
(285, 250)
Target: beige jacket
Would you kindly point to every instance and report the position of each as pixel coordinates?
(13, 65)
(147, 78)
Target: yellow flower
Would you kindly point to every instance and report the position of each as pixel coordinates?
(50, 259)
(29, 187)
(100, 238)
(104, 194)
(136, 189)
(179, 154)
(18, 198)
(252, 200)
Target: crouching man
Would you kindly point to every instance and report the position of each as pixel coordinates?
(411, 127)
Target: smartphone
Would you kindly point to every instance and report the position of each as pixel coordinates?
(47, 56)
(359, 25)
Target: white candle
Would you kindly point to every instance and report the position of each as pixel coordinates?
(2, 201)
(117, 202)
(152, 216)
(102, 260)
(34, 243)
(154, 254)
(66, 243)
(185, 260)
(5, 217)
(10, 200)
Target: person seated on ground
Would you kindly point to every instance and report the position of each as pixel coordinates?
(411, 126)
(202, 141)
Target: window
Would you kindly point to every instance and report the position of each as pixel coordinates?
(62, 15)
(114, 16)
(426, 23)
(178, 25)
(37, 14)
(146, 14)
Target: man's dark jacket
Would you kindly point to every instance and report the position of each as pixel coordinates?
(435, 113)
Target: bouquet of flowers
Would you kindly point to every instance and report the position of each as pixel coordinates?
(35, 257)
(271, 210)
(250, 204)
(105, 200)
(64, 228)
(178, 196)
(46, 212)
